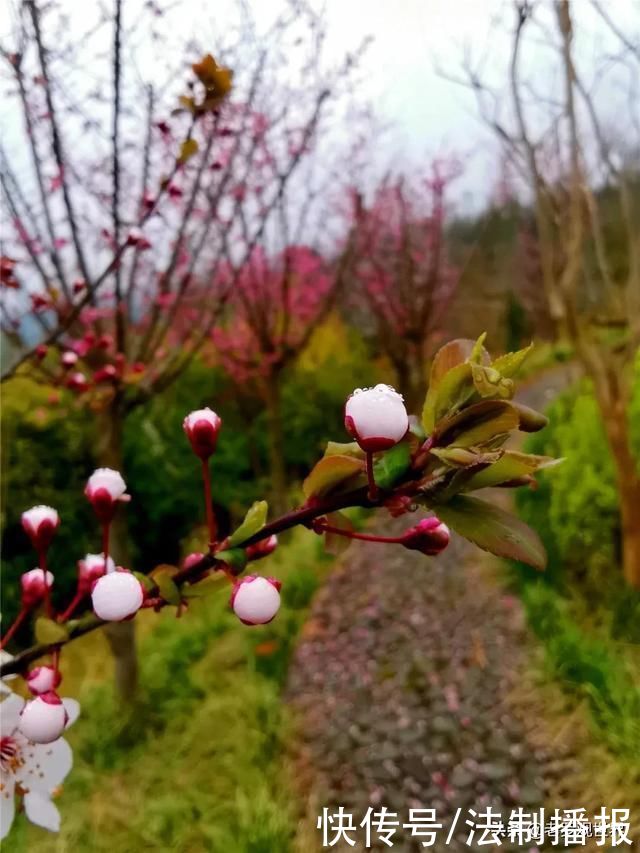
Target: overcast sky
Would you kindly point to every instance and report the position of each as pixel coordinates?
(411, 40)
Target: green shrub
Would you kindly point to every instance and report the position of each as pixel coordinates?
(46, 458)
(589, 665)
(586, 616)
(575, 508)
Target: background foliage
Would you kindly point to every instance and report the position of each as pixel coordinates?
(586, 617)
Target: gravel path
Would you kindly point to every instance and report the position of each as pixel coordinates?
(401, 681)
(401, 686)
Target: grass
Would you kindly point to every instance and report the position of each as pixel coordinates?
(198, 764)
(591, 664)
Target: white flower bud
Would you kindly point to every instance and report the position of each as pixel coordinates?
(90, 569)
(108, 479)
(40, 523)
(104, 488)
(116, 595)
(376, 417)
(35, 584)
(43, 679)
(202, 428)
(43, 719)
(256, 600)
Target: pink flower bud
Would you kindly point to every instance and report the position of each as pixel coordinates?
(40, 523)
(105, 374)
(105, 341)
(134, 237)
(262, 549)
(192, 559)
(34, 586)
(202, 428)
(117, 595)
(77, 382)
(43, 719)
(105, 487)
(430, 536)
(41, 351)
(78, 285)
(69, 359)
(43, 679)
(256, 600)
(376, 417)
(90, 569)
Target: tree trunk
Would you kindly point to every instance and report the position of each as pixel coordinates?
(277, 472)
(616, 426)
(416, 387)
(120, 635)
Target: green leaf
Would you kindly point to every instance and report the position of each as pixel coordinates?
(477, 424)
(235, 557)
(493, 530)
(510, 466)
(254, 521)
(333, 542)
(168, 589)
(489, 383)
(47, 631)
(188, 149)
(350, 448)
(460, 457)
(511, 362)
(449, 358)
(479, 353)
(392, 466)
(214, 582)
(330, 472)
(192, 591)
(488, 429)
(145, 580)
(459, 477)
(187, 103)
(416, 429)
(452, 391)
(530, 420)
(452, 382)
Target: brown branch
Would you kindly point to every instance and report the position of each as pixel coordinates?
(56, 143)
(118, 253)
(5, 174)
(302, 516)
(37, 168)
(146, 160)
(634, 48)
(182, 361)
(115, 163)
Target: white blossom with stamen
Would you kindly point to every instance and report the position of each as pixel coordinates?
(31, 771)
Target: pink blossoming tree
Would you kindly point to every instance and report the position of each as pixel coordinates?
(402, 269)
(275, 306)
(129, 199)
